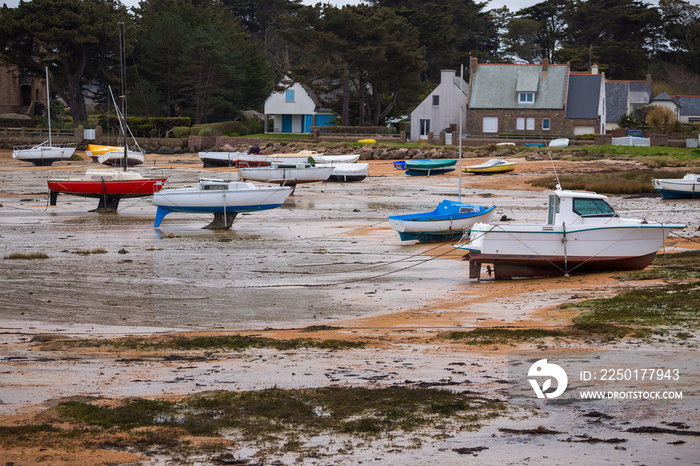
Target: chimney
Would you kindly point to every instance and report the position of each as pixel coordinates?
(545, 64)
(447, 76)
(473, 63)
(594, 68)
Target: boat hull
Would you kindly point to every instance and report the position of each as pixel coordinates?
(528, 266)
(286, 176)
(232, 159)
(490, 170)
(443, 224)
(340, 158)
(228, 202)
(116, 158)
(347, 172)
(429, 167)
(491, 167)
(428, 171)
(687, 187)
(109, 188)
(548, 250)
(43, 156)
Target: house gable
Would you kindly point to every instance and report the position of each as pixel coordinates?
(441, 108)
(295, 110)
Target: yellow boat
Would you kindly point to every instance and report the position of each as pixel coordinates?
(95, 150)
(491, 167)
(367, 141)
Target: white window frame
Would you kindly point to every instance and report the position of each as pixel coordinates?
(530, 124)
(424, 128)
(436, 100)
(520, 123)
(527, 98)
(488, 122)
(548, 125)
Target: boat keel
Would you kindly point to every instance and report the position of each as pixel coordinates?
(107, 205)
(221, 222)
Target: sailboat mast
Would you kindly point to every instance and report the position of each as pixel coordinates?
(459, 132)
(48, 103)
(122, 57)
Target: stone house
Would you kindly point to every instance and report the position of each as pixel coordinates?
(441, 109)
(18, 91)
(534, 100)
(294, 110)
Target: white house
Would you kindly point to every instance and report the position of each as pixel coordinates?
(295, 110)
(665, 100)
(441, 108)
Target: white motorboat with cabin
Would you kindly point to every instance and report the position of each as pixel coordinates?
(582, 233)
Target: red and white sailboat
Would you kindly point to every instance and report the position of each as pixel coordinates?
(109, 186)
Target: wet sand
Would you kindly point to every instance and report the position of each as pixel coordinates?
(326, 257)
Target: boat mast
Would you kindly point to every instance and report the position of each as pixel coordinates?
(48, 103)
(123, 89)
(459, 132)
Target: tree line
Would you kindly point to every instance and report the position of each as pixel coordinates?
(213, 58)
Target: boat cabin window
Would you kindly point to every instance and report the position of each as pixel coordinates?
(593, 208)
(214, 187)
(553, 208)
(466, 210)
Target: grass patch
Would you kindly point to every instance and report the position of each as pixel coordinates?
(579, 330)
(492, 336)
(227, 342)
(670, 305)
(263, 414)
(654, 156)
(87, 252)
(29, 256)
(682, 266)
(610, 181)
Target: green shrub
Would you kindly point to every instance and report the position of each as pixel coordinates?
(181, 132)
(206, 131)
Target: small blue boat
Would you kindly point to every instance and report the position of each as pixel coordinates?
(427, 167)
(447, 222)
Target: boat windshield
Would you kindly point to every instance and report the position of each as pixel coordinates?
(593, 208)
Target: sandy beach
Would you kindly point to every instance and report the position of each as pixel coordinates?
(327, 259)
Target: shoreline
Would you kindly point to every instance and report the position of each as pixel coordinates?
(327, 259)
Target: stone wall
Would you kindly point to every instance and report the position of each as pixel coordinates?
(507, 120)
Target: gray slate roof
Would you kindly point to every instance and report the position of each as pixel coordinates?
(497, 86)
(640, 92)
(584, 96)
(616, 93)
(690, 104)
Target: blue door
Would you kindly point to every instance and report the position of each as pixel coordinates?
(286, 123)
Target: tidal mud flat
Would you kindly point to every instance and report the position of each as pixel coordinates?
(325, 266)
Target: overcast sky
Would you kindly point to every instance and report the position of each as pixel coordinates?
(513, 5)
